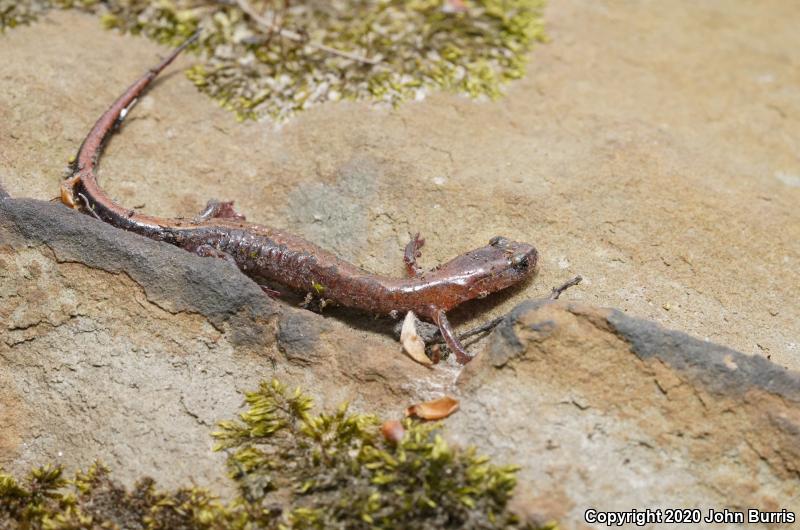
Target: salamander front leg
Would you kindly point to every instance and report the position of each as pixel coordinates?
(219, 210)
(411, 254)
(440, 318)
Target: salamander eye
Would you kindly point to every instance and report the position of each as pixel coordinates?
(519, 261)
(498, 241)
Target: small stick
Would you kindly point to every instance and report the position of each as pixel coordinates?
(89, 206)
(557, 291)
(486, 326)
(293, 35)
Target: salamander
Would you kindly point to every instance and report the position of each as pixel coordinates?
(275, 255)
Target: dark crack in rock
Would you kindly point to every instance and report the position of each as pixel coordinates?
(604, 410)
(171, 277)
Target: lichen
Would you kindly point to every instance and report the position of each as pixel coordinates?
(293, 470)
(409, 46)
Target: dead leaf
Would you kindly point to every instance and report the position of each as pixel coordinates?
(434, 410)
(411, 341)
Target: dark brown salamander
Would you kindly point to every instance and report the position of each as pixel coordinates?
(275, 255)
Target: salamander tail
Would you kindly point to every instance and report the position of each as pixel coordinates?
(177, 51)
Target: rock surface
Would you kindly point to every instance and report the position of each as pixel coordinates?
(650, 150)
(606, 411)
(129, 350)
(120, 348)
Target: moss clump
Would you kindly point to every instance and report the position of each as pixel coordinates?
(410, 46)
(293, 470)
(14, 13)
(337, 471)
(45, 500)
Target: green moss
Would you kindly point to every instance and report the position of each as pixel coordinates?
(93, 500)
(415, 45)
(14, 13)
(293, 470)
(335, 470)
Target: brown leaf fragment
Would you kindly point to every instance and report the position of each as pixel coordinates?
(434, 410)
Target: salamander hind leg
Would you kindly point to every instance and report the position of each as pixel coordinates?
(219, 210)
(209, 251)
(412, 252)
(440, 318)
(272, 293)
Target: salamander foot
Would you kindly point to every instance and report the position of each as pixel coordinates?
(219, 210)
(412, 252)
(272, 293)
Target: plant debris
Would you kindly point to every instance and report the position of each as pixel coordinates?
(270, 58)
(393, 431)
(435, 409)
(412, 342)
(293, 470)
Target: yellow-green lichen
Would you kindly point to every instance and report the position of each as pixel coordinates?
(325, 50)
(293, 470)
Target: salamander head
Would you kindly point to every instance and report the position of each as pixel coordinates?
(500, 264)
(511, 262)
